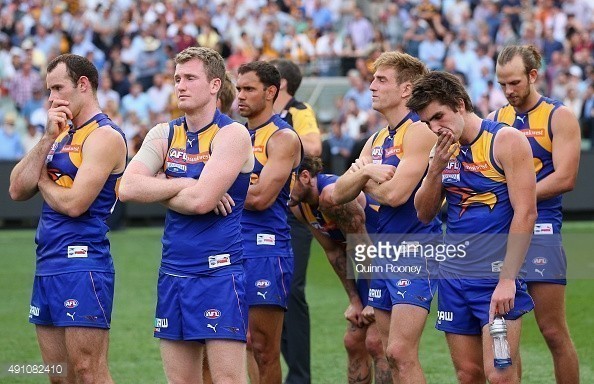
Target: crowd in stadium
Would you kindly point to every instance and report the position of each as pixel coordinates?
(133, 43)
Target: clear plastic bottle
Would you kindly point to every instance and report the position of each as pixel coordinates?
(501, 352)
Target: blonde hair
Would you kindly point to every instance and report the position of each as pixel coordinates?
(214, 65)
(407, 67)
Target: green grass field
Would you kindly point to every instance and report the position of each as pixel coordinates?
(134, 354)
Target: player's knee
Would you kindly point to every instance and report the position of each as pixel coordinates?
(556, 335)
(373, 344)
(84, 370)
(265, 353)
(353, 343)
(401, 356)
(505, 376)
(470, 373)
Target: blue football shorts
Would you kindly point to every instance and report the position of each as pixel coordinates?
(200, 308)
(74, 299)
(268, 280)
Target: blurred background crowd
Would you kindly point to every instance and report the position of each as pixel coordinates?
(133, 42)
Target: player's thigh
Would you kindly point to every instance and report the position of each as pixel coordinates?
(84, 343)
(265, 323)
(182, 361)
(227, 360)
(52, 343)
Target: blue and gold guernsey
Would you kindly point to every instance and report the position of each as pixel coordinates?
(387, 149)
(536, 125)
(76, 244)
(220, 250)
(266, 233)
(328, 227)
(478, 206)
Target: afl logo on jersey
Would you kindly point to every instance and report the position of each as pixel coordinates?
(177, 154)
(262, 283)
(403, 283)
(377, 155)
(451, 174)
(212, 314)
(71, 303)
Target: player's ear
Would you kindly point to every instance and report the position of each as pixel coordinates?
(532, 75)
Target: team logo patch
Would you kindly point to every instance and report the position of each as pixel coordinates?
(403, 283)
(262, 283)
(377, 155)
(212, 314)
(451, 174)
(219, 260)
(71, 303)
(265, 239)
(539, 261)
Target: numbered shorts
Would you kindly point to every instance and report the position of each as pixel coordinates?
(463, 304)
(75, 299)
(268, 280)
(200, 308)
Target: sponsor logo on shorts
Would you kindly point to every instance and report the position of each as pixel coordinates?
(262, 283)
(375, 293)
(263, 294)
(496, 266)
(71, 303)
(444, 316)
(539, 261)
(232, 329)
(75, 251)
(33, 311)
(265, 239)
(403, 283)
(161, 323)
(213, 327)
(212, 313)
(539, 271)
(219, 260)
(401, 293)
(71, 315)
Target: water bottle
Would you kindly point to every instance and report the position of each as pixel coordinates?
(498, 331)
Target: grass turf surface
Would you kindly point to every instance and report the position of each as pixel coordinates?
(134, 354)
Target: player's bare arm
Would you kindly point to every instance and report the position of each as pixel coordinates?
(417, 144)
(284, 147)
(430, 196)
(566, 156)
(104, 153)
(25, 175)
(513, 153)
(349, 185)
(140, 182)
(231, 155)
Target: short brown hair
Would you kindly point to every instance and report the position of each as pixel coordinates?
(529, 54)
(312, 164)
(439, 86)
(407, 67)
(76, 67)
(214, 65)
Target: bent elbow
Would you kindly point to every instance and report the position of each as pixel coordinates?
(75, 211)
(15, 194)
(125, 193)
(424, 217)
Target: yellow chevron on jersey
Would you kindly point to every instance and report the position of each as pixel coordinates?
(482, 161)
(261, 138)
(179, 141)
(379, 152)
(535, 124)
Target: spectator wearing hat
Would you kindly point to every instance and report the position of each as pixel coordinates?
(10, 141)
